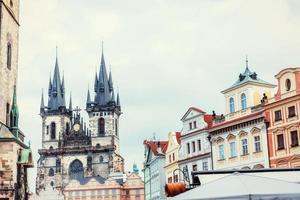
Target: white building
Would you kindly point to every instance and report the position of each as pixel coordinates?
(195, 150)
(154, 173)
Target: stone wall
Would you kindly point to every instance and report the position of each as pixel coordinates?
(9, 32)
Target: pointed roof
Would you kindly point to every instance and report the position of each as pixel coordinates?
(56, 90)
(88, 99)
(110, 82)
(248, 77)
(14, 113)
(70, 104)
(42, 101)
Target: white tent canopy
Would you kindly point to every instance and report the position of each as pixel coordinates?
(238, 186)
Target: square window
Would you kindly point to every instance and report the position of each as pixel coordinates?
(194, 168)
(292, 111)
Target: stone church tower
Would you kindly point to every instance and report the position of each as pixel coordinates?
(71, 150)
(15, 155)
(9, 46)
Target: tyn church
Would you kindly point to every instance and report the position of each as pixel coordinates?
(70, 149)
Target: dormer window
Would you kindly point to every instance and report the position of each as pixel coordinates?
(231, 105)
(288, 85)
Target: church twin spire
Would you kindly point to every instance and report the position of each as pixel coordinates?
(103, 87)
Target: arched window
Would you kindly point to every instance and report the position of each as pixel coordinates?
(101, 159)
(231, 105)
(67, 128)
(243, 101)
(58, 163)
(51, 172)
(101, 126)
(51, 148)
(89, 162)
(53, 131)
(8, 54)
(76, 170)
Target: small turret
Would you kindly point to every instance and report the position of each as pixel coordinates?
(42, 107)
(14, 114)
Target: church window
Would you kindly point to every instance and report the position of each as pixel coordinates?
(47, 130)
(288, 85)
(89, 162)
(58, 165)
(231, 105)
(53, 131)
(51, 148)
(7, 113)
(116, 127)
(67, 128)
(243, 101)
(8, 56)
(76, 170)
(101, 126)
(51, 172)
(101, 159)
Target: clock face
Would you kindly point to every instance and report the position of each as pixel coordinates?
(76, 127)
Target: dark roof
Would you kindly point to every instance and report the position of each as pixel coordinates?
(85, 180)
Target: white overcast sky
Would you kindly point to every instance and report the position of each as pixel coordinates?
(165, 56)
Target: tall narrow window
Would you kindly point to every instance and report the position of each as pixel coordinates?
(116, 127)
(244, 146)
(278, 116)
(67, 128)
(89, 163)
(243, 101)
(53, 131)
(294, 138)
(58, 165)
(51, 172)
(101, 126)
(280, 142)
(221, 152)
(195, 124)
(194, 146)
(232, 149)
(188, 148)
(231, 105)
(8, 59)
(199, 145)
(257, 143)
(191, 125)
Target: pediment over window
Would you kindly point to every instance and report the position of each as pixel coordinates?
(242, 133)
(192, 112)
(255, 130)
(230, 137)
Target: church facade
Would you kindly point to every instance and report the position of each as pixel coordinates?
(72, 150)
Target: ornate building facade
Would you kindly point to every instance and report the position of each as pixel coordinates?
(195, 149)
(15, 154)
(71, 150)
(239, 138)
(282, 113)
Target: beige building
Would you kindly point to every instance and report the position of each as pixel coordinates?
(172, 158)
(15, 155)
(96, 188)
(239, 138)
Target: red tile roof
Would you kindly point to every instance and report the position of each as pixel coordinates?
(178, 137)
(209, 120)
(154, 144)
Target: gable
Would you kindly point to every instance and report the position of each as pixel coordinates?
(192, 112)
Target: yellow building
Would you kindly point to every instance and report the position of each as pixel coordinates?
(239, 138)
(172, 157)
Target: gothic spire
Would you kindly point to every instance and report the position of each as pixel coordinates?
(96, 83)
(70, 104)
(88, 99)
(103, 93)
(110, 82)
(14, 113)
(42, 107)
(118, 100)
(50, 86)
(56, 90)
